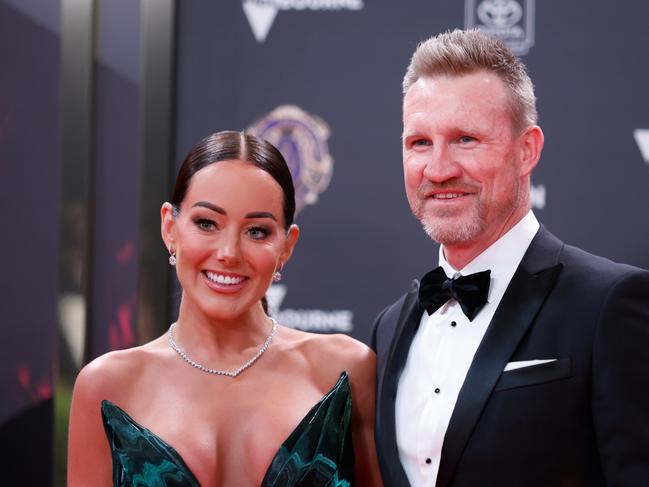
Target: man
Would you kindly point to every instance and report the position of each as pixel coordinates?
(522, 361)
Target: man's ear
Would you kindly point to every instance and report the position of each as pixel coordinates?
(531, 145)
(168, 226)
(291, 239)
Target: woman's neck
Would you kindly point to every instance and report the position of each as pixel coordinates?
(225, 336)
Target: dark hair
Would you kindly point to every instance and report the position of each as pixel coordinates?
(231, 145)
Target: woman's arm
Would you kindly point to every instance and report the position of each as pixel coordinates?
(89, 458)
(360, 363)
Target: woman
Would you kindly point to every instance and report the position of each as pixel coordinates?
(227, 397)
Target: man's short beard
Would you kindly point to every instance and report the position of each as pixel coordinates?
(447, 234)
(446, 230)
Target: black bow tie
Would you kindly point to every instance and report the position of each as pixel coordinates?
(469, 291)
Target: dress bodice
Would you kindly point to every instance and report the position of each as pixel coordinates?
(318, 452)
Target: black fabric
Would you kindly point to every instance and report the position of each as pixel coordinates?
(580, 420)
(469, 291)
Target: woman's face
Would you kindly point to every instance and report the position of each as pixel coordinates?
(229, 238)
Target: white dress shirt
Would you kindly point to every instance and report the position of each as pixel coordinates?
(441, 354)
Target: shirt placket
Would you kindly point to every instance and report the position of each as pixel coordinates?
(436, 365)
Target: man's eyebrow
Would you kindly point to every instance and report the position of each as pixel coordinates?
(261, 214)
(210, 206)
(408, 133)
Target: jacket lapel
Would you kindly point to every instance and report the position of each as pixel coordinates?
(520, 304)
(405, 330)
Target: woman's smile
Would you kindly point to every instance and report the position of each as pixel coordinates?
(225, 282)
(229, 242)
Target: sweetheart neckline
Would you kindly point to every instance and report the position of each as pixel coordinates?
(312, 412)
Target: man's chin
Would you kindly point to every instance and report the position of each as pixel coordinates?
(450, 231)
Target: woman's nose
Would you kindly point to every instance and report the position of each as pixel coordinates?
(229, 249)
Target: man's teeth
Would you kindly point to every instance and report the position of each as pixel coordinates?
(447, 196)
(220, 279)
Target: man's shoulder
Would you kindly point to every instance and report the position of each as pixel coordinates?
(393, 309)
(579, 262)
(602, 280)
(596, 267)
(386, 321)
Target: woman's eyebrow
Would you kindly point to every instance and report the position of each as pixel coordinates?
(218, 209)
(210, 206)
(261, 214)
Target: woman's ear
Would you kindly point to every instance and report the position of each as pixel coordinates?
(168, 226)
(291, 239)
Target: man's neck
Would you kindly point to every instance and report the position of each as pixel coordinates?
(461, 254)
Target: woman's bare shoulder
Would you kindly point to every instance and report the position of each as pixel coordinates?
(336, 353)
(116, 371)
(111, 376)
(337, 343)
(344, 348)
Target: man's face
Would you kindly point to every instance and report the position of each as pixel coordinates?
(461, 160)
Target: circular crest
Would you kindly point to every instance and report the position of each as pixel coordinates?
(302, 140)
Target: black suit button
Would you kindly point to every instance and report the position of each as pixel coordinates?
(453, 323)
(428, 461)
(437, 390)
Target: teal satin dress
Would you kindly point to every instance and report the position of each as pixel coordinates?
(319, 452)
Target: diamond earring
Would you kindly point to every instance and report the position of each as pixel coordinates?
(277, 276)
(172, 259)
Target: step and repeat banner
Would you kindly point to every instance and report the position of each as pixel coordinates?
(321, 79)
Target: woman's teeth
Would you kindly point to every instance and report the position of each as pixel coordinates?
(221, 279)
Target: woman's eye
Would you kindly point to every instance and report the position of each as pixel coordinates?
(258, 233)
(205, 224)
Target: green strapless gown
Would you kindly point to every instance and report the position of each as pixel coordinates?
(318, 452)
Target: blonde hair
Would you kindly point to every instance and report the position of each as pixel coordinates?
(460, 52)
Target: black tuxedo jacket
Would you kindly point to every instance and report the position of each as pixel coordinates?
(582, 420)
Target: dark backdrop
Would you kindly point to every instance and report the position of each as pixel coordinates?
(340, 62)
(360, 247)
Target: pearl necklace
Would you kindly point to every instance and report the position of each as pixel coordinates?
(174, 346)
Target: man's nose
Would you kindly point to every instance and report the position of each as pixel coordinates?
(441, 165)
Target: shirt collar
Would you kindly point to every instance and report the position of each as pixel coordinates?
(502, 257)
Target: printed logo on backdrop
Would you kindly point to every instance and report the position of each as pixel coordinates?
(318, 320)
(511, 21)
(641, 137)
(302, 137)
(261, 13)
(302, 140)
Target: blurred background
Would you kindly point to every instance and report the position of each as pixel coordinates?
(101, 99)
